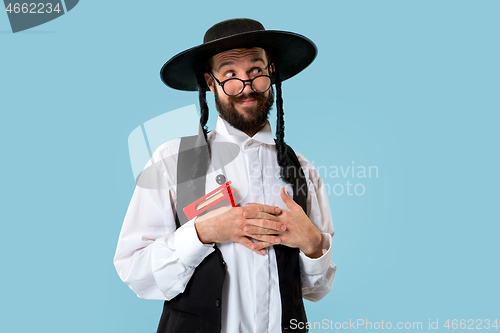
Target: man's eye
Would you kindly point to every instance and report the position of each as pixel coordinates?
(229, 75)
(256, 71)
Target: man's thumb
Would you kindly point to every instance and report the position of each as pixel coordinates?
(288, 199)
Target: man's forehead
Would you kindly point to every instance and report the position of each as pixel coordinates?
(250, 54)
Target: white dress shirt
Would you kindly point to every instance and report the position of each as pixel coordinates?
(156, 261)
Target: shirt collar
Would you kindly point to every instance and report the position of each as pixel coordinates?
(265, 135)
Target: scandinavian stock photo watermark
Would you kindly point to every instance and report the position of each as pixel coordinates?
(337, 180)
(342, 175)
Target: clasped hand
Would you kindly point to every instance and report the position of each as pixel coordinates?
(269, 225)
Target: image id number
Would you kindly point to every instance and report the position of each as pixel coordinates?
(32, 8)
(471, 324)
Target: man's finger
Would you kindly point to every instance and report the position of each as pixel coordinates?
(266, 224)
(259, 215)
(253, 230)
(257, 247)
(260, 247)
(271, 239)
(292, 205)
(263, 208)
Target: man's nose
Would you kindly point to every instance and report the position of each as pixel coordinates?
(248, 87)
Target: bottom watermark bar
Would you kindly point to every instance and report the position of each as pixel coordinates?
(327, 324)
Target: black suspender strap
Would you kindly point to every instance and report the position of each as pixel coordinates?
(192, 165)
(292, 306)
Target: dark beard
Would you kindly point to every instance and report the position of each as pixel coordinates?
(246, 124)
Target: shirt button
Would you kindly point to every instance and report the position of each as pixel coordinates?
(223, 263)
(217, 303)
(220, 179)
(249, 143)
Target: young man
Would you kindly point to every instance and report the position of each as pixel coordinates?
(243, 268)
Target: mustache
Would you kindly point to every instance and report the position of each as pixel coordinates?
(253, 95)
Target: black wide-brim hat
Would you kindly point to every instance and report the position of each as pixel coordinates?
(290, 52)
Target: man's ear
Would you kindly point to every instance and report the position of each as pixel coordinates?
(271, 69)
(210, 82)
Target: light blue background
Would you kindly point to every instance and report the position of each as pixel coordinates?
(411, 87)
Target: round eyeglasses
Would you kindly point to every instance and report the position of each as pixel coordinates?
(234, 86)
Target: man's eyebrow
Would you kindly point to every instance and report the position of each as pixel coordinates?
(225, 63)
(229, 63)
(257, 60)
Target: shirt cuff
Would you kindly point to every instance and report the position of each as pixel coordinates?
(188, 247)
(319, 265)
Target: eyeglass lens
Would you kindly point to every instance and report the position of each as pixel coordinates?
(235, 86)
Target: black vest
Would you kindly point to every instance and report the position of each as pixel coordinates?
(198, 308)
